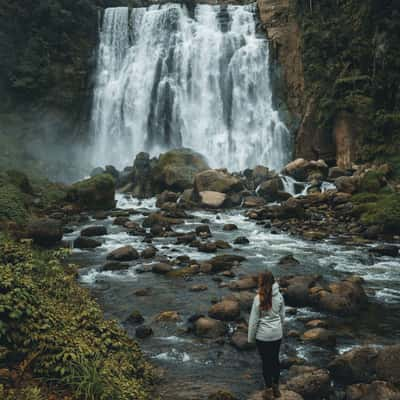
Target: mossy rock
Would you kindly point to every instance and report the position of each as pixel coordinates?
(372, 182)
(176, 169)
(96, 193)
(379, 209)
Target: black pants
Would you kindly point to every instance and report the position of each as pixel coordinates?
(269, 353)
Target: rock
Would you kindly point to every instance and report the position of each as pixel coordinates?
(125, 253)
(310, 382)
(225, 262)
(385, 250)
(86, 243)
(143, 331)
(303, 170)
(377, 390)
(141, 176)
(342, 298)
(241, 240)
(208, 247)
(198, 288)
(320, 336)
(97, 171)
(186, 238)
(285, 395)
(150, 252)
(253, 201)
(226, 310)
(135, 317)
(244, 298)
(270, 190)
(212, 199)
(347, 184)
(168, 316)
(143, 292)
(45, 232)
(209, 327)
(316, 323)
(230, 227)
(336, 172)
(388, 364)
(203, 231)
(96, 230)
(297, 289)
(114, 266)
(121, 221)
(221, 395)
(216, 181)
(245, 283)
(166, 197)
(176, 169)
(97, 193)
(111, 170)
(260, 174)
(356, 365)
(239, 341)
(288, 261)
(161, 268)
(221, 244)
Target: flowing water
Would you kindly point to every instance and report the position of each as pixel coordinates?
(167, 78)
(195, 367)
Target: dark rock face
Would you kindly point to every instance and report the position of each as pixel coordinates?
(377, 390)
(142, 176)
(385, 250)
(45, 232)
(143, 331)
(97, 230)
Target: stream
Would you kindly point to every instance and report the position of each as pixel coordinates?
(195, 367)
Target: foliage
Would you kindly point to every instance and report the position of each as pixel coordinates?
(381, 209)
(51, 325)
(352, 63)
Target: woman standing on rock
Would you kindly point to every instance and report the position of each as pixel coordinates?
(266, 329)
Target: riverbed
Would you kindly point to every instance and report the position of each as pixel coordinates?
(194, 367)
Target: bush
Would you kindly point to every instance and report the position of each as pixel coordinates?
(49, 322)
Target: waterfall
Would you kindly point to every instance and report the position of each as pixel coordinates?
(169, 78)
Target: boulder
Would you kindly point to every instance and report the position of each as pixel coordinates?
(253, 201)
(336, 172)
(207, 247)
(161, 268)
(347, 184)
(246, 283)
(270, 190)
(166, 197)
(239, 341)
(96, 230)
(356, 365)
(316, 323)
(176, 169)
(296, 289)
(377, 390)
(388, 364)
(221, 244)
(224, 262)
(320, 336)
(288, 261)
(135, 317)
(45, 232)
(125, 253)
(212, 199)
(97, 193)
(83, 242)
(343, 298)
(310, 382)
(244, 297)
(142, 177)
(385, 250)
(241, 240)
(198, 288)
(260, 174)
(209, 327)
(168, 316)
(303, 170)
(230, 227)
(227, 310)
(143, 331)
(150, 252)
(217, 181)
(221, 395)
(203, 231)
(110, 169)
(114, 266)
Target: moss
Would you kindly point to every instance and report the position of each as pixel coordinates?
(372, 182)
(56, 330)
(379, 209)
(12, 204)
(94, 193)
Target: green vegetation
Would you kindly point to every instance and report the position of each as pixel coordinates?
(54, 338)
(351, 63)
(97, 193)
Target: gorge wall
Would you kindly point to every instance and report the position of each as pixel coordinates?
(335, 64)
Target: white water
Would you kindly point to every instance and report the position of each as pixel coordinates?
(166, 79)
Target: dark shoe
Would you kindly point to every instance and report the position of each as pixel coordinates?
(268, 394)
(276, 391)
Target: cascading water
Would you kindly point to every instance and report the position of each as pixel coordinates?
(168, 79)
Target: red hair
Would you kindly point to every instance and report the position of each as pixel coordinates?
(265, 282)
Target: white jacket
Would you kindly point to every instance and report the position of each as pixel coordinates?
(267, 325)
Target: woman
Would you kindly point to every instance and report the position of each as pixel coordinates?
(266, 329)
